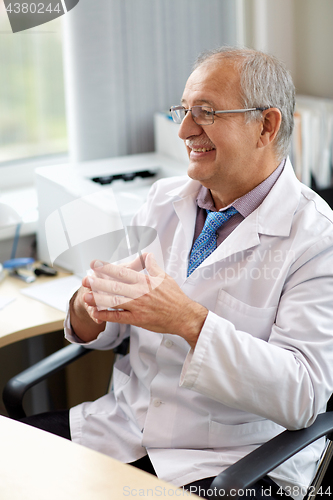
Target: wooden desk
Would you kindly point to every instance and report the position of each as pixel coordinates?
(36, 465)
(26, 317)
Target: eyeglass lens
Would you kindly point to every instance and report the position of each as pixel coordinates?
(178, 114)
(200, 114)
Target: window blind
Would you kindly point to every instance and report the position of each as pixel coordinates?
(126, 60)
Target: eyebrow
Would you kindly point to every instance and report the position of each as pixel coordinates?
(199, 102)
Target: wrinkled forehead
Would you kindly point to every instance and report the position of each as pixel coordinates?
(214, 81)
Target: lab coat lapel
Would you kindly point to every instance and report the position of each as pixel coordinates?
(243, 237)
(276, 212)
(273, 217)
(185, 208)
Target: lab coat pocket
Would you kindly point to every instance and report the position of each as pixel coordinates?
(249, 433)
(126, 389)
(121, 375)
(257, 321)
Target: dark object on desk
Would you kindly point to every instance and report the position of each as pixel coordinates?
(237, 477)
(27, 278)
(127, 176)
(45, 270)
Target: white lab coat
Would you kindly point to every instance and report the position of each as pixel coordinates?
(264, 358)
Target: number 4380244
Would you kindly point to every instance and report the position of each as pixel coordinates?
(33, 8)
(295, 491)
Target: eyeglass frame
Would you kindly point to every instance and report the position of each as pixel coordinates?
(212, 111)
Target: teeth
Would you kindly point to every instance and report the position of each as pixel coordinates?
(202, 150)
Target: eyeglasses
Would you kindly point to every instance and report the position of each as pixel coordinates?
(203, 115)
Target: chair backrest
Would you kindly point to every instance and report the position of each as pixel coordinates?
(322, 483)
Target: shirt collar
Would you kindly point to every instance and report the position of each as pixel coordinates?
(247, 203)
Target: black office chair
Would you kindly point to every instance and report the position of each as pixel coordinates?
(238, 477)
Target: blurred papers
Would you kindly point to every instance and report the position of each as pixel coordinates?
(4, 301)
(312, 141)
(54, 293)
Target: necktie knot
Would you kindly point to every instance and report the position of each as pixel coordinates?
(215, 220)
(205, 244)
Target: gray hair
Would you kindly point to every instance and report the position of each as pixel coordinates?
(265, 82)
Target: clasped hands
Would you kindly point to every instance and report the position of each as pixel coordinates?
(150, 300)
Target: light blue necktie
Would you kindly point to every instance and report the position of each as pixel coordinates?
(205, 244)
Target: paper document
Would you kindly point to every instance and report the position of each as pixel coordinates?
(54, 293)
(4, 301)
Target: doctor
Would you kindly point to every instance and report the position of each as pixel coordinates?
(232, 341)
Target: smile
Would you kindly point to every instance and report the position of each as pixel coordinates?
(202, 150)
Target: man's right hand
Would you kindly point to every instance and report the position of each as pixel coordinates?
(85, 326)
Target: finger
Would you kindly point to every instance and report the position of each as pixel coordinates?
(118, 273)
(138, 264)
(112, 287)
(152, 266)
(90, 310)
(86, 282)
(98, 267)
(124, 317)
(104, 301)
(155, 274)
(95, 264)
(89, 299)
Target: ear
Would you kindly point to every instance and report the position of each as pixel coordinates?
(269, 127)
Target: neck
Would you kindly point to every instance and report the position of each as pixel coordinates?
(234, 188)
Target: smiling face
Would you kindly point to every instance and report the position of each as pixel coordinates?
(224, 156)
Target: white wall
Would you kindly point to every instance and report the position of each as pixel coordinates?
(300, 33)
(313, 25)
(269, 27)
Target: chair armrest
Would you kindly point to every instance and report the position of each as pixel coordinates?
(255, 465)
(17, 386)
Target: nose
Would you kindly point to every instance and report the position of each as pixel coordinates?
(188, 127)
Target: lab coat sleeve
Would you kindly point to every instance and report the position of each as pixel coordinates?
(109, 338)
(287, 379)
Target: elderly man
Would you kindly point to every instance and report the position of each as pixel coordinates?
(233, 342)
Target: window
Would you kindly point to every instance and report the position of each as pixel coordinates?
(32, 103)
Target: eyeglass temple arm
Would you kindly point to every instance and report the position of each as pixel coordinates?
(239, 110)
